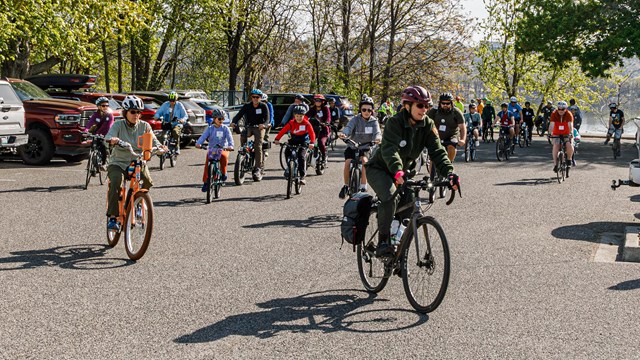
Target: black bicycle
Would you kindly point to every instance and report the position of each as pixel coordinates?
(562, 170)
(214, 171)
(487, 133)
(523, 136)
(95, 159)
(355, 166)
(172, 145)
(422, 256)
(294, 180)
(333, 136)
(503, 146)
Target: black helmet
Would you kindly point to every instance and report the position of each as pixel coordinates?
(504, 104)
(446, 97)
(299, 97)
(299, 109)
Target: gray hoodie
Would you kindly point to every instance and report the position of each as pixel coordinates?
(360, 130)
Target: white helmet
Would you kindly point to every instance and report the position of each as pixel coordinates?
(562, 105)
(513, 99)
(132, 102)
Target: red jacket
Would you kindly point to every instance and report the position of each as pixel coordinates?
(299, 131)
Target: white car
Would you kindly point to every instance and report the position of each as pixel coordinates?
(12, 119)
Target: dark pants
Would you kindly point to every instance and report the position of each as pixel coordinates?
(383, 185)
(176, 132)
(103, 151)
(323, 136)
(116, 176)
(302, 160)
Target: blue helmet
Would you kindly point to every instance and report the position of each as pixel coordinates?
(256, 92)
(101, 100)
(299, 109)
(217, 112)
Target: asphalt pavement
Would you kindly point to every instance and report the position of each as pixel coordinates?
(254, 275)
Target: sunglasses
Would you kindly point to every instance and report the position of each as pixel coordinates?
(445, 103)
(422, 106)
(256, 97)
(104, 105)
(135, 112)
(366, 110)
(221, 119)
(562, 109)
(317, 100)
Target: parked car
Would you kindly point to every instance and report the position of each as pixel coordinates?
(197, 121)
(345, 105)
(54, 126)
(193, 94)
(281, 103)
(150, 107)
(208, 105)
(12, 120)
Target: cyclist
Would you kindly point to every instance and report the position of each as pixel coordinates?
(577, 114)
(257, 120)
(299, 100)
(527, 116)
(458, 104)
(616, 123)
(547, 110)
(301, 133)
(506, 119)
(218, 135)
(335, 111)
(361, 128)
(405, 135)
(129, 129)
(449, 123)
(473, 122)
(488, 114)
(561, 123)
(516, 109)
(99, 124)
(174, 116)
(480, 106)
(265, 99)
(322, 114)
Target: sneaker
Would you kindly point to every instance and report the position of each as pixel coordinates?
(113, 225)
(266, 154)
(606, 142)
(573, 162)
(477, 143)
(103, 167)
(384, 249)
(343, 192)
(286, 173)
(205, 186)
(363, 189)
(555, 168)
(177, 151)
(303, 182)
(568, 163)
(223, 178)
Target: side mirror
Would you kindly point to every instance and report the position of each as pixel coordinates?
(1, 100)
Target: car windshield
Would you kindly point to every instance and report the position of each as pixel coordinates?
(114, 104)
(28, 91)
(204, 104)
(151, 105)
(7, 95)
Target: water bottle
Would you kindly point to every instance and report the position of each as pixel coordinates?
(131, 169)
(401, 228)
(395, 224)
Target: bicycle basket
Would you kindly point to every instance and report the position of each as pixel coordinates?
(214, 153)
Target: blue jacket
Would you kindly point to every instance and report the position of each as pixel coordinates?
(164, 112)
(217, 136)
(270, 106)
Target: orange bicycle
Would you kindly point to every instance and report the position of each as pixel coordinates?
(135, 205)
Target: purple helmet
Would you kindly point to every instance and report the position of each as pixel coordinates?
(416, 94)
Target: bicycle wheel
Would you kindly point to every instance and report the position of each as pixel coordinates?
(500, 149)
(210, 178)
(283, 160)
(298, 186)
(467, 155)
(291, 165)
(138, 225)
(173, 159)
(162, 159)
(89, 169)
(238, 170)
(217, 183)
(98, 162)
(371, 268)
(425, 265)
(507, 149)
(474, 154)
(560, 167)
(354, 180)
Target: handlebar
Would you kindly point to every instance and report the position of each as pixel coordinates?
(206, 147)
(358, 145)
(126, 145)
(426, 184)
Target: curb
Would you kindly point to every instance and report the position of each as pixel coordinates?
(631, 246)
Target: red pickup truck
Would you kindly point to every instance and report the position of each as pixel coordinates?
(54, 126)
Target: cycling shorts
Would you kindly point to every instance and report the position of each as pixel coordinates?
(450, 142)
(350, 153)
(555, 140)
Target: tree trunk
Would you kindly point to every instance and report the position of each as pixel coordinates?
(119, 65)
(105, 58)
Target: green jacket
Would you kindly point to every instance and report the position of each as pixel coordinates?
(402, 144)
(120, 156)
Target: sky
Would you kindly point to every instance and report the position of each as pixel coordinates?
(476, 9)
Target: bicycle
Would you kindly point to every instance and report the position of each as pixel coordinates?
(95, 159)
(293, 177)
(245, 161)
(333, 137)
(135, 205)
(431, 251)
(470, 150)
(355, 166)
(172, 145)
(503, 146)
(314, 160)
(562, 169)
(523, 137)
(214, 171)
(615, 146)
(487, 131)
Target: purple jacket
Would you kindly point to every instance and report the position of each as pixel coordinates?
(103, 123)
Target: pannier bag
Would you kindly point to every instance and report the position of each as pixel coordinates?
(355, 218)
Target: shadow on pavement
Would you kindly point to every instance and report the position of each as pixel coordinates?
(179, 186)
(529, 182)
(79, 257)
(627, 285)
(635, 198)
(46, 189)
(589, 232)
(325, 312)
(319, 221)
(266, 198)
(183, 202)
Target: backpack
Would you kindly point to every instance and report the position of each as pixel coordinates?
(355, 218)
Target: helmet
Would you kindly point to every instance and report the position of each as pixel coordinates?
(299, 109)
(217, 112)
(132, 102)
(366, 101)
(265, 97)
(101, 100)
(513, 99)
(562, 104)
(331, 99)
(318, 97)
(613, 105)
(488, 102)
(299, 97)
(527, 103)
(504, 104)
(446, 97)
(549, 102)
(458, 98)
(416, 94)
(572, 101)
(173, 96)
(256, 92)
(472, 106)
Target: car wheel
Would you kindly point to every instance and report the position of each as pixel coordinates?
(39, 150)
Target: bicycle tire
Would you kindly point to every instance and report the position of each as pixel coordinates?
(426, 264)
(173, 159)
(98, 163)
(291, 166)
(88, 177)
(507, 150)
(298, 186)
(136, 251)
(371, 268)
(283, 160)
(319, 168)
(467, 155)
(500, 149)
(238, 170)
(560, 165)
(162, 159)
(615, 147)
(354, 180)
(210, 178)
(474, 154)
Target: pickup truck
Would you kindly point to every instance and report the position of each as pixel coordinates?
(54, 126)
(12, 127)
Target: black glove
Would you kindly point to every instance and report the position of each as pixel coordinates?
(454, 180)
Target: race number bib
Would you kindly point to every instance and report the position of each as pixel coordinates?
(258, 111)
(219, 134)
(302, 128)
(561, 127)
(442, 128)
(319, 113)
(368, 130)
